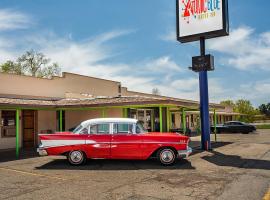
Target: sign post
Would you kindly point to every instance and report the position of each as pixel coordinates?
(201, 20)
(204, 103)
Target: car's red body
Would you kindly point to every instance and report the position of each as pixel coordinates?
(140, 146)
(113, 146)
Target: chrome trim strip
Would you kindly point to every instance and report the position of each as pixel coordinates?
(53, 144)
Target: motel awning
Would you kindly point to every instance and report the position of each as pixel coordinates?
(34, 102)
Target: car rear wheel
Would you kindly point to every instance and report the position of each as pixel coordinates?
(76, 157)
(166, 156)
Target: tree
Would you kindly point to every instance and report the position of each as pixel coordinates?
(155, 91)
(11, 67)
(32, 63)
(227, 103)
(36, 64)
(245, 108)
(265, 109)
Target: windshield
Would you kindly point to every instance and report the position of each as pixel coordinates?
(77, 129)
(140, 128)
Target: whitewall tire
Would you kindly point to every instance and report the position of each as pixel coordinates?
(166, 156)
(76, 157)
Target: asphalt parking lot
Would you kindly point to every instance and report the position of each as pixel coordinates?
(237, 168)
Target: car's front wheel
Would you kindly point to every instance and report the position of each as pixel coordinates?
(76, 157)
(166, 156)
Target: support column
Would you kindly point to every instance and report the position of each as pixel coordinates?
(204, 104)
(17, 133)
(168, 119)
(160, 120)
(60, 120)
(103, 114)
(215, 125)
(124, 113)
(184, 121)
(152, 120)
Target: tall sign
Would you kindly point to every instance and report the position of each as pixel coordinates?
(200, 20)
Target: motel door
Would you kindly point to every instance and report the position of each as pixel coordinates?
(28, 126)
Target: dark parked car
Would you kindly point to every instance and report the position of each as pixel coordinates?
(234, 127)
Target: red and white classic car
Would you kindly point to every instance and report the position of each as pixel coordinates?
(114, 138)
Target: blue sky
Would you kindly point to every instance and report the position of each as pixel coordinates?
(134, 42)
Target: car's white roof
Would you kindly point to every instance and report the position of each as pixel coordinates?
(109, 120)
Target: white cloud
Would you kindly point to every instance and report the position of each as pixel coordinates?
(162, 64)
(185, 84)
(12, 19)
(105, 37)
(244, 49)
(189, 88)
(170, 36)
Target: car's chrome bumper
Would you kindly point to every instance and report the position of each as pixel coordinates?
(185, 153)
(42, 152)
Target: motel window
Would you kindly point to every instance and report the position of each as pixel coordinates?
(8, 124)
(122, 128)
(100, 129)
(173, 120)
(192, 120)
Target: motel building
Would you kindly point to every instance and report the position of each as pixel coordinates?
(30, 106)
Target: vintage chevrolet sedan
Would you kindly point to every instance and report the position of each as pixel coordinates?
(114, 138)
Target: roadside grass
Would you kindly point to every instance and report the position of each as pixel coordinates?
(263, 126)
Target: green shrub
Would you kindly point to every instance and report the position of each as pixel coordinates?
(263, 126)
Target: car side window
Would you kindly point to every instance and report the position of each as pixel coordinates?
(140, 129)
(122, 128)
(103, 128)
(84, 130)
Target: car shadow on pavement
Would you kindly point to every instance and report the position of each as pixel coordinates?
(236, 161)
(62, 164)
(196, 146)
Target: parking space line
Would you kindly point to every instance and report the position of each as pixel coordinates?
(32, 174)
(267, 195)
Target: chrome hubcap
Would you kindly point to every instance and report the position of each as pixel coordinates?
(167, 156)
(76, 156)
